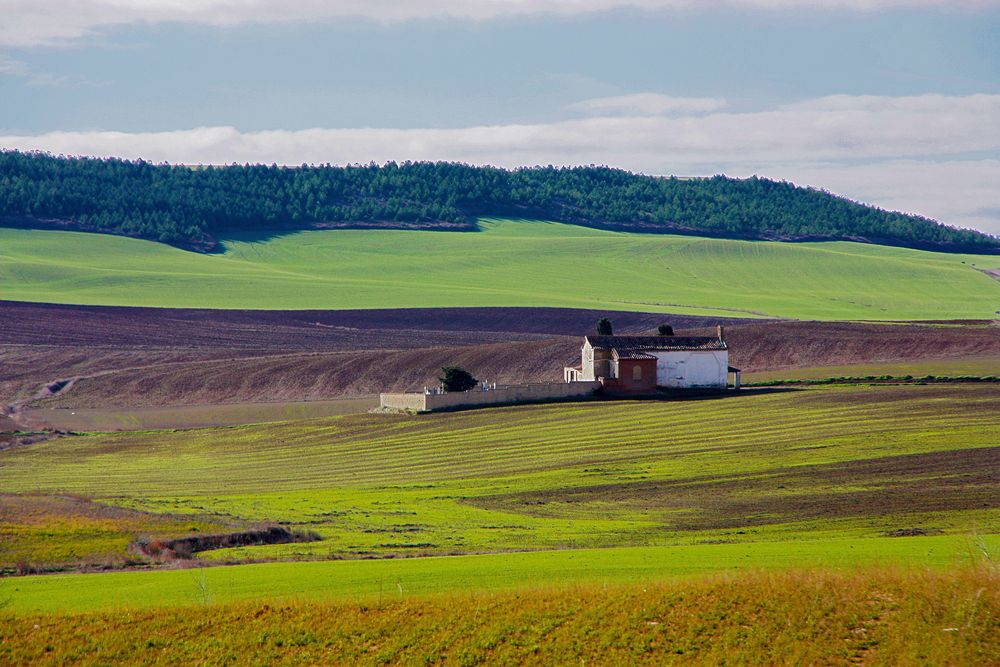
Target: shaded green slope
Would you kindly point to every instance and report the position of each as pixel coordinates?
(510, 263)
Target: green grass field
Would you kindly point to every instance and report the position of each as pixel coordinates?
(372, 580)
(826, 525)
(828, 470)
(974, 366)
(509, 263)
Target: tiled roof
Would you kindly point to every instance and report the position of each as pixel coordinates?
(631, 354)
(656, 343)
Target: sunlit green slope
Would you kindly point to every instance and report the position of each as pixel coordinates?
(509, 263)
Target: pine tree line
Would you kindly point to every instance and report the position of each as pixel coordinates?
(191, 206)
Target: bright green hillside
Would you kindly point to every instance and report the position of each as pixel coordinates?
(508, 264)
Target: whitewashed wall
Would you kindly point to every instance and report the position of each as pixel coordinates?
(689, 368)
(517, 393)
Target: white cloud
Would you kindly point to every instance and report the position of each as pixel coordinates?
(871, 129)
(53, 22)
(928, 103)
(899, 152)
(647, 104)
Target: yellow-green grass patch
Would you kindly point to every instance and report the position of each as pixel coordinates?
(41, 532)
(821, 617)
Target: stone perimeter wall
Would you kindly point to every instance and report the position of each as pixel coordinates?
(518, 393)
(403, 401)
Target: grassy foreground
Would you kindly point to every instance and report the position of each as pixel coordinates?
(828, 525)
(509, 263)
(787, 466)
(877, 617)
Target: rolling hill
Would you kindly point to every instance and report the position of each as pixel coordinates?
(509, 263)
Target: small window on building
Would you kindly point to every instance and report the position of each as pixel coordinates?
(637, 372)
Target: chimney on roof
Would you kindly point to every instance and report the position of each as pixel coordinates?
(719, 330)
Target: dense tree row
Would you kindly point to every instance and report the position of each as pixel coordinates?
(189, 206)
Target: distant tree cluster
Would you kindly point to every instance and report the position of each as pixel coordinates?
(190, 206)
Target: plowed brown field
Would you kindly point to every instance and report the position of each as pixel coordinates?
(156, 356)
(303, 330)
(788, 345)
(146, 357)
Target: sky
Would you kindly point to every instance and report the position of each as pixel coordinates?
(890, 102)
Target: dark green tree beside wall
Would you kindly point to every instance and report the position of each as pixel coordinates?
(456, 378)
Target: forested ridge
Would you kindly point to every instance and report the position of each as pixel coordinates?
(193, 206)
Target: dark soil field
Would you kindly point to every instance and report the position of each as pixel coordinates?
(311, 377)
(80, 357)
(271, 331)
(771, 346)
(156, 356)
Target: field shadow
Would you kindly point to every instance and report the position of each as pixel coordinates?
(686, 395)
(664, 397)
(273, 233)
